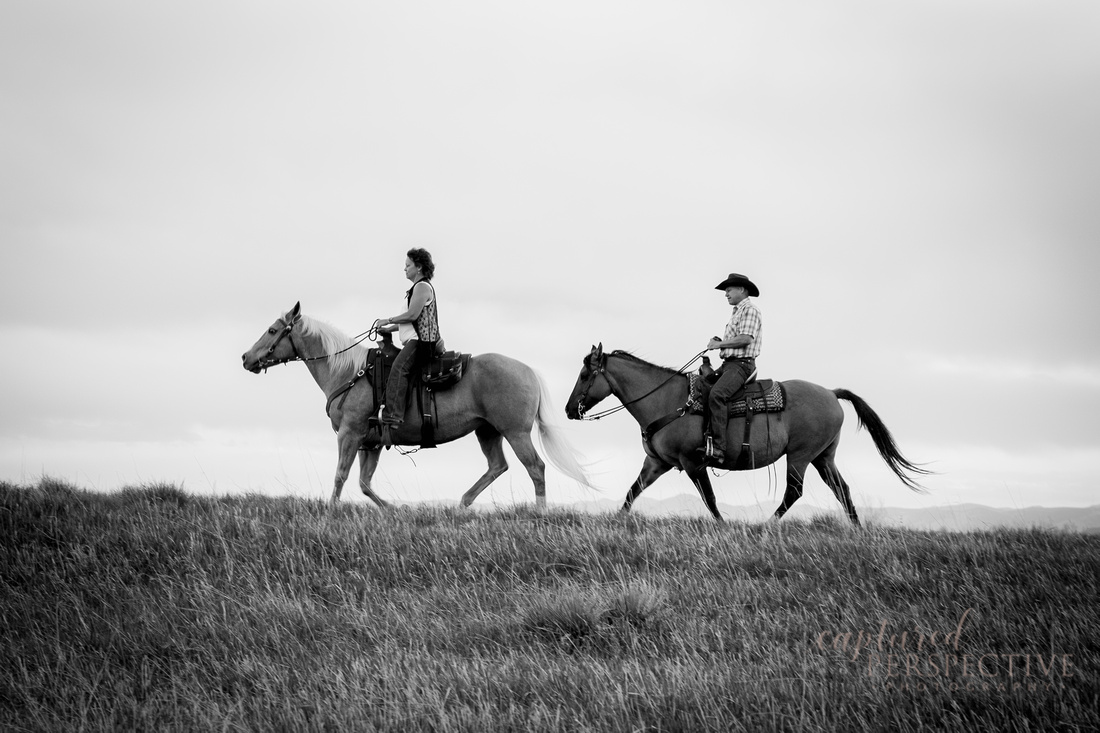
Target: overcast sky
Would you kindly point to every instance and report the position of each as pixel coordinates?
(913, 186)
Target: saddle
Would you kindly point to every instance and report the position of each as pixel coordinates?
(755, 397)
(444, 371)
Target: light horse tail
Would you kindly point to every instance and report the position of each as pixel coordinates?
(558, 450)
(884, 441)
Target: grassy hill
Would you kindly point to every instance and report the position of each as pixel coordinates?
(957, 517)
(151, 608)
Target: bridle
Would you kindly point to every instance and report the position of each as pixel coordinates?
(265, 363)
(601, 369)
(288, 326)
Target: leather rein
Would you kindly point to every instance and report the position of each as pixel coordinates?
(370, 334)
(601, 369)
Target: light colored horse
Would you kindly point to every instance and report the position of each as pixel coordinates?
(807, 431)
(497, 399)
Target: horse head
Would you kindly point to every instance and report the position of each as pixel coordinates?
(592, 386)
(275, 346)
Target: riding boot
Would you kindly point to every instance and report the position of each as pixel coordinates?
(712, 452)
(387, 425)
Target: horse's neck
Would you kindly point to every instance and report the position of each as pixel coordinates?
(657, 392)
(311, 347)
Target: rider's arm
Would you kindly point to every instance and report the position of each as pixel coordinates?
(741, 339)
(747, 328)
(420, 295)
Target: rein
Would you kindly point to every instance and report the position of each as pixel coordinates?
(601, 368)
(370, 334)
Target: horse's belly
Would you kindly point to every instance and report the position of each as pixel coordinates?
(768, 436)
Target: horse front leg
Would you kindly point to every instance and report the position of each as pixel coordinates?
(701, 479)
(347, 444)
(652, 469)
(796, 470)
(368, 462)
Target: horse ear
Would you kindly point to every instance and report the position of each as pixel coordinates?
(599, 350)
(296, 312)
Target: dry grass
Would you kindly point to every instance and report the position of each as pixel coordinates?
(154, 609)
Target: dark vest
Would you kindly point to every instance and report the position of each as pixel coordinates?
(427, 323)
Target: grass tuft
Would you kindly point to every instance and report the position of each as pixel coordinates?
(571, 616)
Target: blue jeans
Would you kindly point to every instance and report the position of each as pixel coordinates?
(414, 353)
(731, 378)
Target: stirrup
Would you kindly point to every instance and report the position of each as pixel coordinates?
(375, 420)
(711, 450)
(385, 425)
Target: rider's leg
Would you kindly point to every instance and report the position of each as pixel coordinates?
(397, 386)
(731, 378)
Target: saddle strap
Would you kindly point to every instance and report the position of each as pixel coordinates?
(380, 378)
(662, 422)
(744, 456)
(379, 384)
(426, 399)
(342, 393)
(693, 404)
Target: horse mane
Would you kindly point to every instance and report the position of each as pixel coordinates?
(630, 357)
(334, 340)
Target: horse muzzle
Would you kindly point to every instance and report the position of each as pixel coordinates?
(576, 411)
(251, 365)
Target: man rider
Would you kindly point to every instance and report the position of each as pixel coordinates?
(738, 347)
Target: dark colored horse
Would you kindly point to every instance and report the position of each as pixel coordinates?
(807, 431)
(498, 399)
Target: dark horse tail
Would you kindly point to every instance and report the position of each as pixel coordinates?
(884, 442)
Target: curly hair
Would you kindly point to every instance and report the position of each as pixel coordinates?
(422, 258)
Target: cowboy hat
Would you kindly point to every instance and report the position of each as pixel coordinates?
(740, 281)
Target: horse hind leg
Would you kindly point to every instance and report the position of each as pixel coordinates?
(529, 457)
(826, 467)
(492, 445)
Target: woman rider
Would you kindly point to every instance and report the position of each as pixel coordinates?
(418, 328)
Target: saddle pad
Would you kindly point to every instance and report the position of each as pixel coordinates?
(774, 398)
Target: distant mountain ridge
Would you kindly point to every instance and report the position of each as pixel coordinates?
(956, 518)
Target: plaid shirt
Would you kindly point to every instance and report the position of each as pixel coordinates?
(744, 321)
